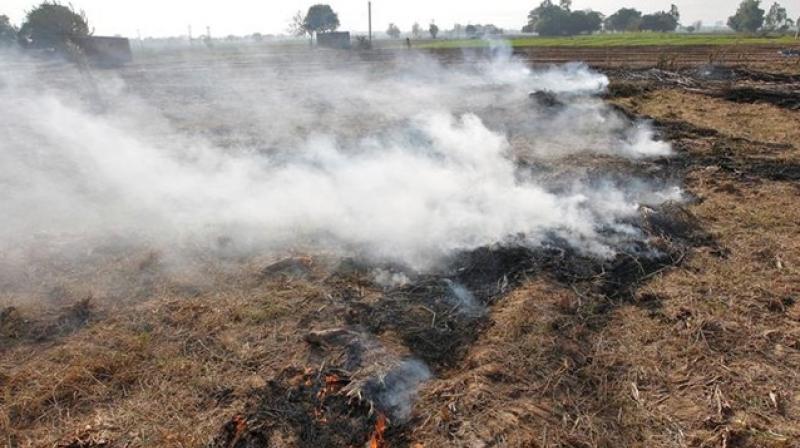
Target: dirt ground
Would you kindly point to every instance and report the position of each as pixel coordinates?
(698, 348)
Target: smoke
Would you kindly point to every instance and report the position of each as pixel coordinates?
(408, 160)
(464, 299)
(397, 391)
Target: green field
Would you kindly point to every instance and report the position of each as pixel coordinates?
(619, 40)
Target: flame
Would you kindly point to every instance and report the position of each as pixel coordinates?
(377, 440)
(332, 385)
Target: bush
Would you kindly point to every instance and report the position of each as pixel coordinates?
(8, 33)
(52, 26)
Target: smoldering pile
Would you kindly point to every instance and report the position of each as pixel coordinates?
(401, 326)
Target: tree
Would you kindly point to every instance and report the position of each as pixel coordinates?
(416, 31)
(433, 30)
(490, 29)
(661, 22)
(8, 32)
(471, 31)
(393, 31)
(320, 19)
(297, 27)
(626, 19)
(748, 18)
(53, 25)
(674, 12)
(585, 22)
(777, 19)
(551, 20)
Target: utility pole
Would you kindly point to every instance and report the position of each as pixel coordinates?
(369, 13)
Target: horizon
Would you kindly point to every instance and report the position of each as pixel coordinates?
(241, 19)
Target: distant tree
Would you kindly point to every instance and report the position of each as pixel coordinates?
(416, 31)
(626, 19)
(551, 20)
(585, 22)
(433, 30)
(52, 25)
(297, 27)
(257, 37)
(661, 22)
(674, 12)
(749, 17)
(8, 32)
(471, 31)
(777, 19)
(490, 30)
(698, 25)
(393, 31)
(320, 19)
(458, 30)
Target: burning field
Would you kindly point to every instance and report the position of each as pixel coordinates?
(253, 249)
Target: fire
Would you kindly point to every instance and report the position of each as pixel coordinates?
(377, 440)
(333, 383)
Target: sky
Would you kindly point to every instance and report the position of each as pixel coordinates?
(161, 18)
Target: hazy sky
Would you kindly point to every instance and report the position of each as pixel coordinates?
(172, 17)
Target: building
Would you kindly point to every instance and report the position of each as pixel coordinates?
(334, 39)
(103, 51)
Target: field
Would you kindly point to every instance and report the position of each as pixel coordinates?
(620, 40)
(685, 334)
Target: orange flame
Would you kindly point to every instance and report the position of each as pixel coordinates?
(377, 440)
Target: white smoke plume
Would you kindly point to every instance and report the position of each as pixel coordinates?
(409, 160)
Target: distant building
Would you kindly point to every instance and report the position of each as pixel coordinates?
(335, 39)
(103, 51)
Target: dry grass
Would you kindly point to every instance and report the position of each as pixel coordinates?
(756, 122)
(164, 373)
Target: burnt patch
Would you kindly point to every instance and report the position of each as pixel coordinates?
(16, 327)
(626, 89)
(300, 408)
(784, 98)
(727, 153)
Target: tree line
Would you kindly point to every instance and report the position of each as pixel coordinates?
(53, 25)
(551, 19)
(751, 18)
